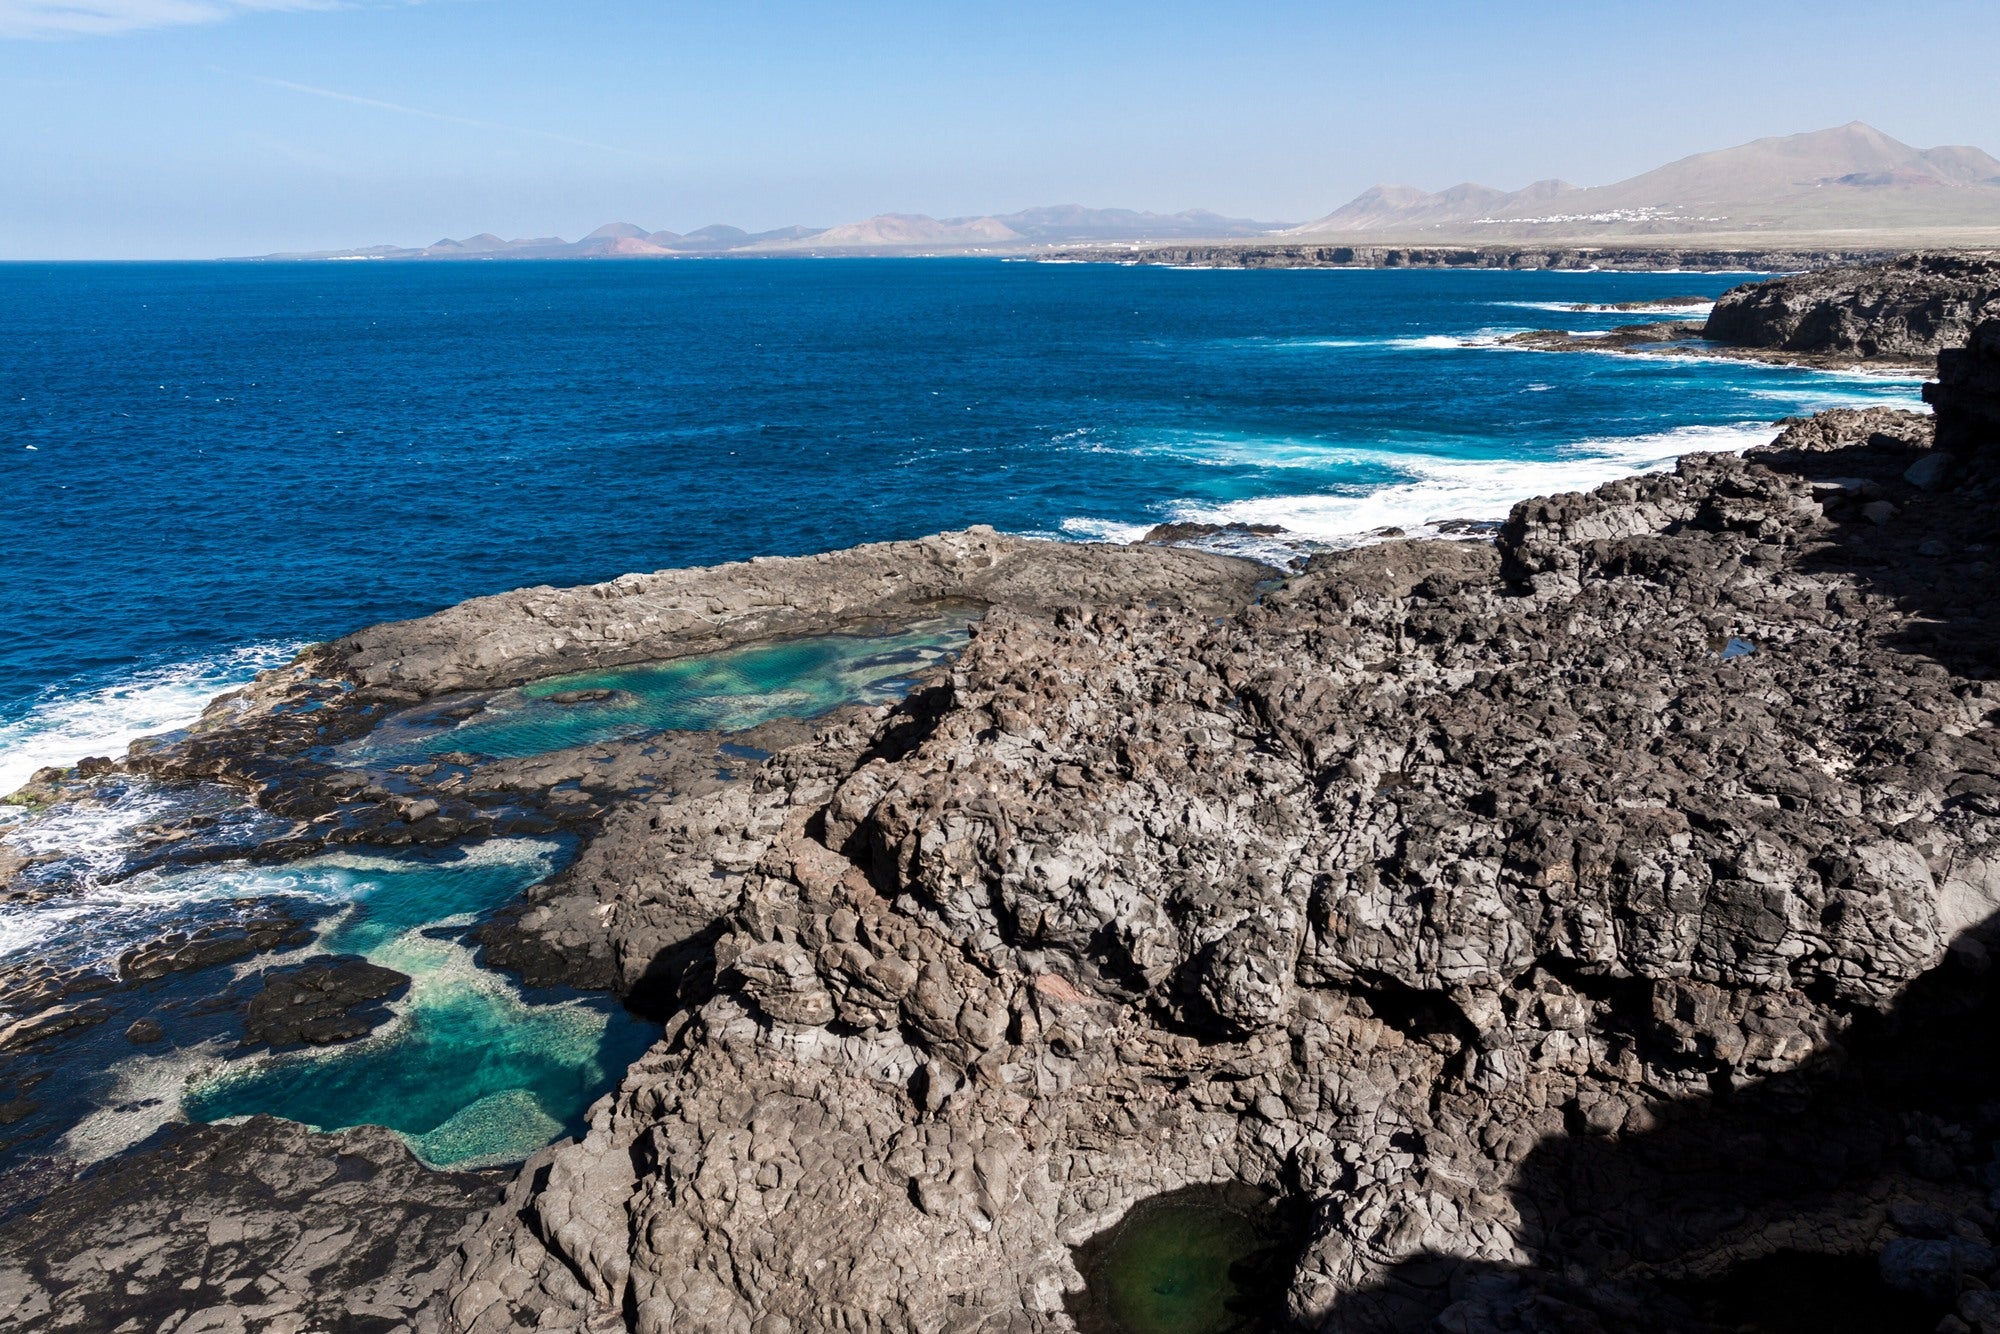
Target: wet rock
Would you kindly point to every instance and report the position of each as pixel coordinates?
(333, 998)
(597, 696)
(144, 1031)
(207, 946)
(52, 1022)
(263, 1226)
(1654, 336)
(1164, 534)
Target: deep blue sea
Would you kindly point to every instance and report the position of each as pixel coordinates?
(207, 465)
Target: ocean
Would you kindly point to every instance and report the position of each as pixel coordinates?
(210, 465)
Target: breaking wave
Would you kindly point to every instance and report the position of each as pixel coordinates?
(65, 723)
(1430, 490)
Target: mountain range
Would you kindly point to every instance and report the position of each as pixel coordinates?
(886, 233)
(1852, 178)
(1847, 180)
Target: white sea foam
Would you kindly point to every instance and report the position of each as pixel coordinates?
(522, 851)
(1104, 530)
(1434, 489)
(100, 921)
(1430, 342)
(64, 725)
(1885, 394)
(1588, 308)
(145, 1094)
(1402, 342)
(1438, 489)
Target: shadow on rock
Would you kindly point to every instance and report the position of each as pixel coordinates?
(1855, 1191)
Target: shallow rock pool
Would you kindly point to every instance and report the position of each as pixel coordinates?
(470, 1071)
(729, 691)
(1201, 1260)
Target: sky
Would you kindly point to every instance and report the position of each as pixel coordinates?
(200, 128)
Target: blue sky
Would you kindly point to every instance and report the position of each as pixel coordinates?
(158, 128)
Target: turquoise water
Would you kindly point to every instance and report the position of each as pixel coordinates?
(727, 691)
(469, 1071)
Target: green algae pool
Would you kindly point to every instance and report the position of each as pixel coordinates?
(1203, 1260)
(470, 1071)
(728, 691)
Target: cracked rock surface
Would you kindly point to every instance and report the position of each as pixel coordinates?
(1569, 922)
(1907, 309)
(263, 1225)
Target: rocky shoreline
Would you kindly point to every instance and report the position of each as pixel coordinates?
(1888, 317)
(1634, 258)
(1583, 931)
(1492, 900)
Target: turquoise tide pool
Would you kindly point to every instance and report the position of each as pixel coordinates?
(727, 692)
(470, 1071)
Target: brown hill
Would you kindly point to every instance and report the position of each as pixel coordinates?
(1852, 178)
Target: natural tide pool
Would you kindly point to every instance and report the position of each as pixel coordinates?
(1200, 1260)
(470, 1071)
(728, 691)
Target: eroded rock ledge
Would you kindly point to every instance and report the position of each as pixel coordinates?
(1887, 315)
(514, 637)
(1567, 923)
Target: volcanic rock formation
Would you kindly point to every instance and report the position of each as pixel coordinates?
(1966, 395)
(1567, 924)
(1910, 309)
(263, 1226)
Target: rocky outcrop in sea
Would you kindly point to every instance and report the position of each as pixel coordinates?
(1911, 308)
(1898, 314)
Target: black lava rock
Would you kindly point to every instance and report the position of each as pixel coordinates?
(332, 999)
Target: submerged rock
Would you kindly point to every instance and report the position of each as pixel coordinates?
(329, 999)
(207, 946)
(595, 696)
